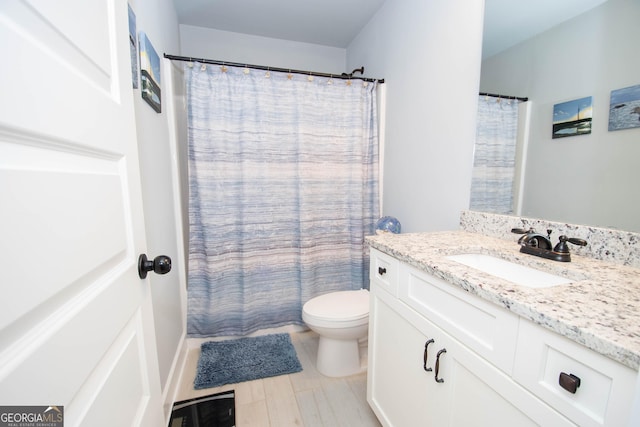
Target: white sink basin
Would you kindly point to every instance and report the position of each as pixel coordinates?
(515, 273)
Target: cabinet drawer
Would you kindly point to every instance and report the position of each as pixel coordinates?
(384, 270)
(604, 396)
(487, 329)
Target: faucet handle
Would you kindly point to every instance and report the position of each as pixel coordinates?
(576, 241)
(562, 247)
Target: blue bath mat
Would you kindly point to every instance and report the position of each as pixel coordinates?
(245, 359)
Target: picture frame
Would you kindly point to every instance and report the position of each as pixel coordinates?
(572, 118)
(624, 108)
(150, 73)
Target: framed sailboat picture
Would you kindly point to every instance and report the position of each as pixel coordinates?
(572, 118)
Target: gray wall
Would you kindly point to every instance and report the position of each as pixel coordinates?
(587, 179)
(429, 54)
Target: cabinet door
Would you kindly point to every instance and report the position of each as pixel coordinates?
(399, 390)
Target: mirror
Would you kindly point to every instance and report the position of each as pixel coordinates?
(587, 179)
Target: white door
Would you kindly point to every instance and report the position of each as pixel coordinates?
(76, 325)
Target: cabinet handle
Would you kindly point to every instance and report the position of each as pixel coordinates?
(569, 382)
(439, 380)
(381, 270)
(425, 355)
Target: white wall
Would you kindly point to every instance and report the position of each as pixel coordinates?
(158, 20)
(429, 54)
(243, 48)
(587, 179)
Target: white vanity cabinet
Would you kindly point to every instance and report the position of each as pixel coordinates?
(470, 353)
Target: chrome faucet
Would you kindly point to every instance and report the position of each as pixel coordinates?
(539, 245)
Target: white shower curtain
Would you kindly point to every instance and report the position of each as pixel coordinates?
(495, 155)
(283, 172)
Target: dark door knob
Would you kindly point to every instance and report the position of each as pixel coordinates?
(160, 264)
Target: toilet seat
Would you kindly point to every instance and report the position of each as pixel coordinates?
(340, 309)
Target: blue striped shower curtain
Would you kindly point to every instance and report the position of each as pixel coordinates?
(495, 155)
(283, 189)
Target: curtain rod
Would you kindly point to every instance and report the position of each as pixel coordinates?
(343, 76)
(503, 96)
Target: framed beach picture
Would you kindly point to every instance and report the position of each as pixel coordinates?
(572, 118)
(150, 73)
(624, 108)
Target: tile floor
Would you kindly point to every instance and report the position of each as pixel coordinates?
(305, 398)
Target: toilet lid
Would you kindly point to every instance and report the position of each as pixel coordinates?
(342, 305)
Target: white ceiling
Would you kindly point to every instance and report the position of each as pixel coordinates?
(324, 22)
(336, 22)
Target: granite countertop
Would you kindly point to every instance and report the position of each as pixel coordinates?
(600, 309)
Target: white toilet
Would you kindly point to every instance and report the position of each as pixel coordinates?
(340, 319)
